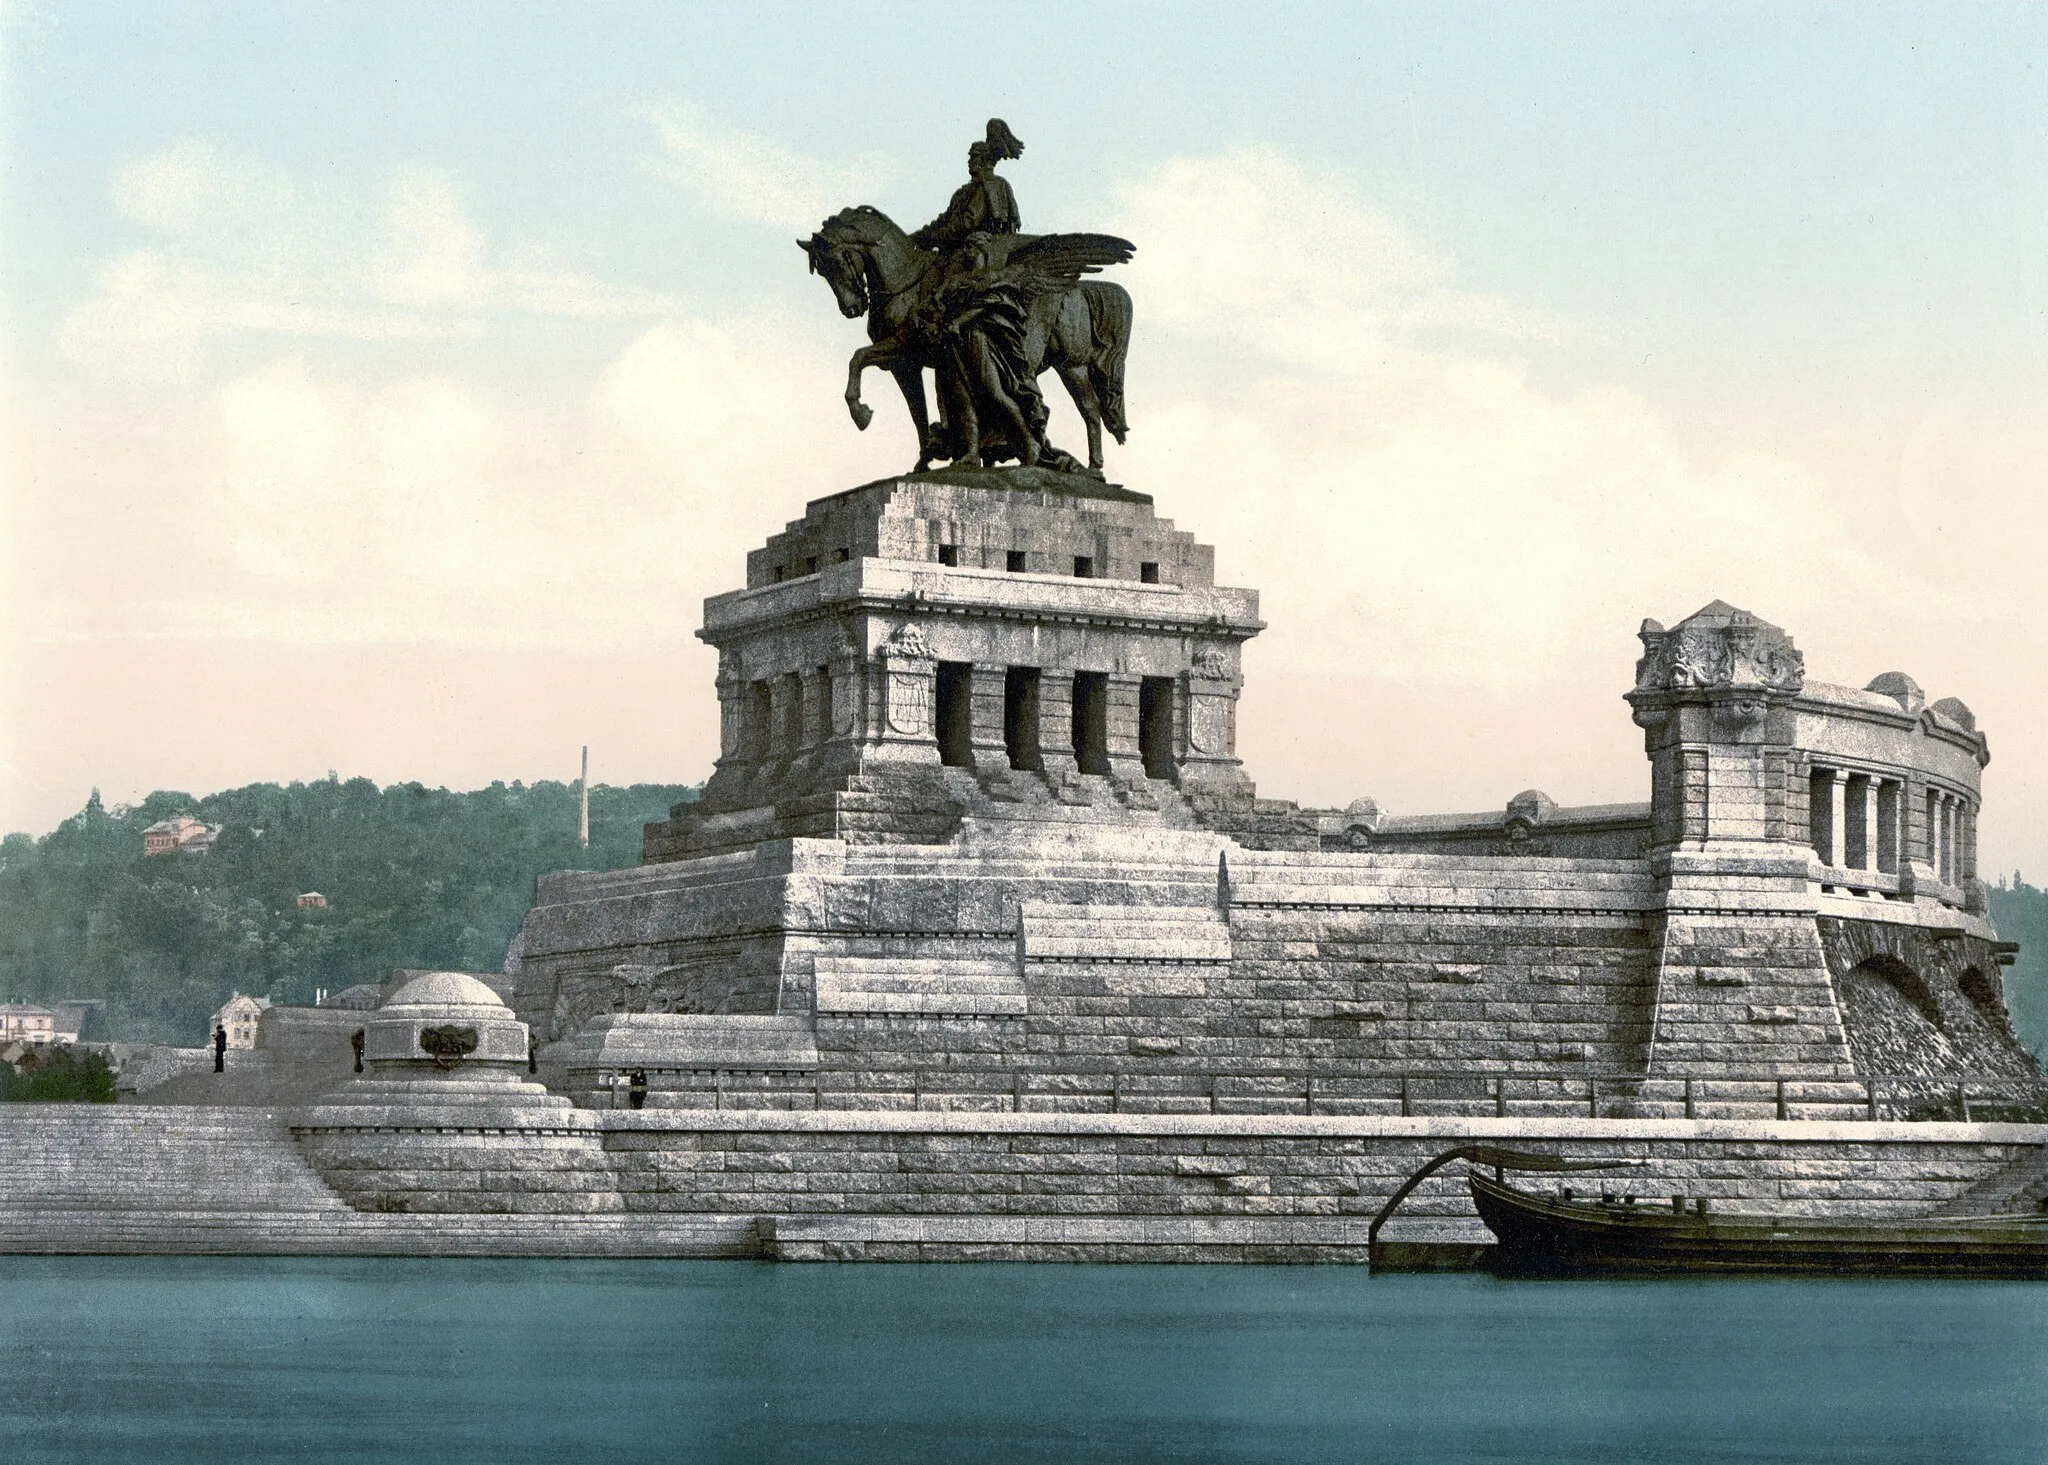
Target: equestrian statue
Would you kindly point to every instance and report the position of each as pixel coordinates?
(986, 308)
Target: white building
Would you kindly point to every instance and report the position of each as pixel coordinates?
(22, 1023)
(238, 1015)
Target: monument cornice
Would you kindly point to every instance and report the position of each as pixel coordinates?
(915, 588)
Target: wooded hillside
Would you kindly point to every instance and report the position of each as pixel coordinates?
(413, 877)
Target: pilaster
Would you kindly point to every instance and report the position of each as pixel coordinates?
(908, 673)
(1056, 723)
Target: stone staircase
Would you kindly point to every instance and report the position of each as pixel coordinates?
(2020, 1187)
(90, 1179)
(919, 986)
(1123, 933)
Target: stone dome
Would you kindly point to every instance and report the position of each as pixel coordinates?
(446, 989)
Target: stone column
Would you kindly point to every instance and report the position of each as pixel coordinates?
(985, 713)
(1126, 759)
(1838, 819)
(1946, 823)
(851, 694)
(785, 717)
(1915, 849)
(1056, 722)
(1864, 855)
(816, 693)
(1966, 843)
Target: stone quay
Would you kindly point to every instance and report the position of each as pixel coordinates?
(981, 943)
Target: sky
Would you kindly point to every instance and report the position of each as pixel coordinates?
(386, 386)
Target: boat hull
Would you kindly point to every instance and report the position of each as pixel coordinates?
(1541, 1236)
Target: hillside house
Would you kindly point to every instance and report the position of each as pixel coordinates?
(179, 835)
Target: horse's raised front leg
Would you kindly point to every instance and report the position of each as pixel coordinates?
(886, 354)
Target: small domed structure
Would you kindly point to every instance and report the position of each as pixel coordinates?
(444, 1037)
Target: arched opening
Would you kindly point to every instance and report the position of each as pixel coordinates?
(1893, 1023)
(1903, 980)
(1983, 993)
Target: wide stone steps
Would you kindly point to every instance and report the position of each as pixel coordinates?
(81, 1179)
(932, 986)
(136, 1158)
(1124, 933)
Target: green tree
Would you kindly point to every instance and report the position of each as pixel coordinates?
(2020, 912)
(57, 1076)
(413, 877)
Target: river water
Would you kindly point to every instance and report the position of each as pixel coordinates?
(191, 1359)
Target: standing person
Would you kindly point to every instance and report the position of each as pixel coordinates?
(220, 1048)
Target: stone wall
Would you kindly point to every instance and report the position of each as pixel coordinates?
(957, 1186)
(902, 1185)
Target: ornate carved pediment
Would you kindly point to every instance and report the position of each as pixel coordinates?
(1719, 648)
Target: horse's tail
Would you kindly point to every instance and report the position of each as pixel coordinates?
(1109, 320)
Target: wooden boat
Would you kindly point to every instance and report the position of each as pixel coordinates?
(1562, 1234)
(1558, 1235)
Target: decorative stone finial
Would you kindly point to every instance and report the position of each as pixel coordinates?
(1901, 688)
(1958, 712)
(1719, 648)
(1530, 808)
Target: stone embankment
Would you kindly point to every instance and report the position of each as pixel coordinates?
(81, 1179)
(902, 1185)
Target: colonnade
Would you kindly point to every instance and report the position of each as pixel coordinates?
(1867, 821)
(981, 715)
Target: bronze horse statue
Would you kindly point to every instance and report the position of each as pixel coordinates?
(986, 332)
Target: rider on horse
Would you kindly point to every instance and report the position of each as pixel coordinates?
(983, 204)
(976, 317)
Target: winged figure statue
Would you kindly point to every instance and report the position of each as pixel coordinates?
(987, 309)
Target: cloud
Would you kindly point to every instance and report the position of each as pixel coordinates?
(426, 505)
(434, 258)
(1252, 250)
(747, 177)
(194, 190)
(241, 252)
(1414, 504)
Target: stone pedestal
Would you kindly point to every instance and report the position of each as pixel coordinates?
(445, 1039)
(901, 590)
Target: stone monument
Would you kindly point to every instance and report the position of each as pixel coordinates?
(981, 943)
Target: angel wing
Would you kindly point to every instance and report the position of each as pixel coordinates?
(1057, 261)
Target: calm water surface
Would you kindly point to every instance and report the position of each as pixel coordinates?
(171, 1360)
